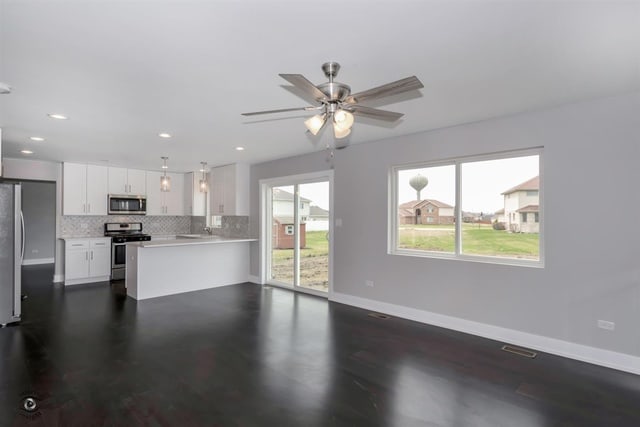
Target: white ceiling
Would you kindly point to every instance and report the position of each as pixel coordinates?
(126, 70)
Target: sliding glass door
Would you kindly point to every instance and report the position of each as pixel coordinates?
(297, 225)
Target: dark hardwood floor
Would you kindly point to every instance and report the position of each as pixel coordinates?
(244, 356)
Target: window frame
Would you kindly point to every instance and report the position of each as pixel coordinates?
(393, 223)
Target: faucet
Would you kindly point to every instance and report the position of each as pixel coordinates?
(209, 230)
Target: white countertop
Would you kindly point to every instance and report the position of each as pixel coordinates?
(82, 237)
(185, 241)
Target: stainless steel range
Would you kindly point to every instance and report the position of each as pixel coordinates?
(121, 233)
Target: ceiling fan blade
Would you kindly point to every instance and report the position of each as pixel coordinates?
(301, 82)
(282, 110)
(393, 88)
(374, 113)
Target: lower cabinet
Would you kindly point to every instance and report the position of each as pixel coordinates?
(87, 260)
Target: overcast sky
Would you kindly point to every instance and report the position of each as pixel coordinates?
(482, 182)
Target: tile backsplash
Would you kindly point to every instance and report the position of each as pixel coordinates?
(197, 224)
(93, 226)
(231, 226)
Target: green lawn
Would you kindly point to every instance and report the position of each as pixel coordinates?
(476, 240)
(316, 245)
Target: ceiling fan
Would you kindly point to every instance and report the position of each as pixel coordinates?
(336, 103)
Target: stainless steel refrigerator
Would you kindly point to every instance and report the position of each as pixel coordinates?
(11, 252)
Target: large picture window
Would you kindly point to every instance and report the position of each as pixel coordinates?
(484, 208)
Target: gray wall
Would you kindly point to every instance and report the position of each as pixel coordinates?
(591, 202)
(39, 210)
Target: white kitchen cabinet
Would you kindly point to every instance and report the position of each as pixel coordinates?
(174, 199)
(84, 189)
(87, 260)
(229, 186)
(165, 202)
(127, 181)
(195, 202)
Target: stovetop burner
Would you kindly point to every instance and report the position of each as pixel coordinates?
(125, 232)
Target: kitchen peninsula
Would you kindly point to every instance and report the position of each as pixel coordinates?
(186, 264)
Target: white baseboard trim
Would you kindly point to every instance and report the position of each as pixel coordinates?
(58, 278)
(38, 261)
(255, 279)
(583, 353)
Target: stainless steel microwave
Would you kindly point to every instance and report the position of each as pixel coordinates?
(126, 205)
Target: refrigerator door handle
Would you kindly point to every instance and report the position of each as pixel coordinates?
(17, 274)
(23, 237)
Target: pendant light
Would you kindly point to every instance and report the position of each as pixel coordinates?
(203, 180)
(165, 181)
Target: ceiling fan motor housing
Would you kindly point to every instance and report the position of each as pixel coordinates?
(335, 91)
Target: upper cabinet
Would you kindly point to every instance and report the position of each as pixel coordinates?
(85, 189)
(229, 187)
(195, 201)
(165, 202)
(127, 181)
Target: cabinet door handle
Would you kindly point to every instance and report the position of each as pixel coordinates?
(92, 255)
(86, 256)
(89, 208)
(84, 208)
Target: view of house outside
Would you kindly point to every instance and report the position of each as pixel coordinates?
(313, 210)
(500, 208)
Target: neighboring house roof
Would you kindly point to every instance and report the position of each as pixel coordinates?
(405, 212)
(317, 211)
(499, 212)
(532, 184)
(529, 208)
(414, 204)
(285, 220)
(282, 195)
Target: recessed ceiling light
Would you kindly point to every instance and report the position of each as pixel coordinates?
(239, 148)
(164, 135)
(58, 116)
(4, 88)
(36, 138)
(26, 152)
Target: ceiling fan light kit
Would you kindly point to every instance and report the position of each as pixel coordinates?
(337, 102)
(315, 123)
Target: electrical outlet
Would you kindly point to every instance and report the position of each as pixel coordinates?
(34, 251)
(84, 226)
(338, 222)
(605, 324)
(369, 283)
